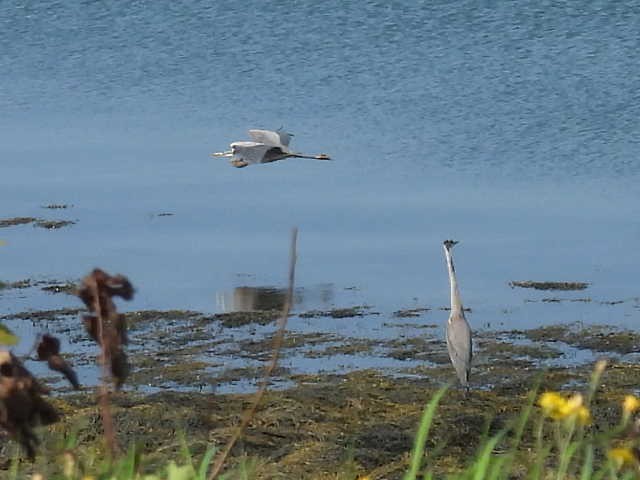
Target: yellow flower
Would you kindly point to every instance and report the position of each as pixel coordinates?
(600, 366)
(630, 404)
(69, 464)
(622, 456)
(556, 407)
(583, 415)
(552, 404)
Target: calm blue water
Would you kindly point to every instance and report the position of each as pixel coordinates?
(513, 128)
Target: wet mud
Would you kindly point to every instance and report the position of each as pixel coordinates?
(323, 424)
(195, 374)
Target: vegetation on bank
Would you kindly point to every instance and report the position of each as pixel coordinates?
(359, 426)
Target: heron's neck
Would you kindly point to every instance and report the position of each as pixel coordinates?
(300, 155)
(456, 302)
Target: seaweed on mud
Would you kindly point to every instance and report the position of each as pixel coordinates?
(240, 319)
(57, 206)
(559, 300)
(492, 349)
(410, 325)
(352, 346)
(162, 370)
(410, 312)
(11, 222)
(68, 288)
(53, 224)
(260, 349)
(239, 374)
(357, 311)
(594, 337)
(549, 285)
(40, 315)
(418, 348)
(141, 317)
(20, 284)
(45, 285)
(37, 222)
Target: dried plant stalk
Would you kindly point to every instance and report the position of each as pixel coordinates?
(103, 391)
(277, 345)
(108, 328)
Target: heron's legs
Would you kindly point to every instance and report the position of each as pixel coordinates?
(239, 163)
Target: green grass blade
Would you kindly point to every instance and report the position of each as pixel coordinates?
(587, 466)
(126, 468)
(484, 459)
(499, 467)
(565, 459)
(204, 464)
(535, 473)
(185, 452)
(423, 433)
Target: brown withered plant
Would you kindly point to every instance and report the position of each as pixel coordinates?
(48, 350)
(21, 404)
(108, 329)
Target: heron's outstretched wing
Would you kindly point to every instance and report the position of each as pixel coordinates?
(269, 137)
(254, 152)
(459, 346)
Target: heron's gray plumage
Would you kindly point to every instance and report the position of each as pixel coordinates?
(459, 346)
(279, 138)
(267, 146)
(458, 334)
(254, 152)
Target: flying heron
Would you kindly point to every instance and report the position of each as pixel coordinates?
(266, 146)
(458, 330)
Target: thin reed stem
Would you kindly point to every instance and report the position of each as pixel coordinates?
(103, 390)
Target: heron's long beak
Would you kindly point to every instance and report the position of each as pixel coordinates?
(228, 153)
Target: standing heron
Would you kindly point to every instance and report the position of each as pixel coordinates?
(458, 329)
(266, 146)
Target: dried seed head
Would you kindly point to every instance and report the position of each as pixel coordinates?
(48, 345)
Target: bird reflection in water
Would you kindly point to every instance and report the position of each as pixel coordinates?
(252, 299)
